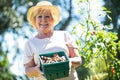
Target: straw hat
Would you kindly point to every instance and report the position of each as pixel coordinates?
(55, 12)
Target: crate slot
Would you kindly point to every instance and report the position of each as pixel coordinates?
(57, 75)
(64, 73)
(50, 76)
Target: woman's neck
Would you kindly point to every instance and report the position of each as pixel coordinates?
(44, 35)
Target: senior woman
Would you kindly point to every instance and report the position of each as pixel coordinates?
(43, 17)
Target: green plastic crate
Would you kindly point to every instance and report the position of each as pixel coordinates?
(56, 70)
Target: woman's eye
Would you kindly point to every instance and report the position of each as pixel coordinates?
(39, 16)
(46, 16)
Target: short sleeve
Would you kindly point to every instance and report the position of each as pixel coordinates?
(27, 55)
(70, 40)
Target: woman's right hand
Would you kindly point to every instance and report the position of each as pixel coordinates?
(38, 71)
(33, 70)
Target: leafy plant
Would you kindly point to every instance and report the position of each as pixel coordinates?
(98, 47)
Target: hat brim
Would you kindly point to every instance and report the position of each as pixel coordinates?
(55, 12)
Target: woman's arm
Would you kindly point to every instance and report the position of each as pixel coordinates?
(32, 70)
(75, 58)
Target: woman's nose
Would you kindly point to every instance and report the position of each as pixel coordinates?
(43, 19)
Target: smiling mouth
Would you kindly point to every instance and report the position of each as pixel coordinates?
(43, 25)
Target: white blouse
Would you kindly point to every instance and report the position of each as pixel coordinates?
(58, 41)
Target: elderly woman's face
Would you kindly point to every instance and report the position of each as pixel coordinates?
(44, 22)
